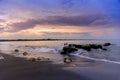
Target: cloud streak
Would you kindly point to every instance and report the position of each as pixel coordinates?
(66, 35)
(62, 15)
(81, 20)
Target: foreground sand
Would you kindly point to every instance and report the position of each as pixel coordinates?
(14, 68)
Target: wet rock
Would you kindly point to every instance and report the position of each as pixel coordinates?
(25, 53)
(67, 59)
(16, 50)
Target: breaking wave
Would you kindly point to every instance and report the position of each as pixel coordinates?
(105, 60)
(56, 50)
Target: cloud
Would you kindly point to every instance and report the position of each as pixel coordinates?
(93, 15)
(66, 4)
(82, 35)
(1, 29)
(45, 35)
(2, 13)
(81, 20)
(1, 20)
(24, 25)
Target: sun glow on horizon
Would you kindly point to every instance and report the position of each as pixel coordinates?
(47, 18)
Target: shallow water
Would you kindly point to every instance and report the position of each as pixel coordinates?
(58, 43)
(54, 47)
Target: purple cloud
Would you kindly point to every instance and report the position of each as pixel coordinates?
(82, 20)
(1, 20)
(1, 29)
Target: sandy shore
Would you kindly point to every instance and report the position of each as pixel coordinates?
(16, 68)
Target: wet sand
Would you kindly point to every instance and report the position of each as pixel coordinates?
(15, 68)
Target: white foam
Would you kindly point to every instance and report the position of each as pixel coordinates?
(105, 60)
(45, 49)
(1, 57)
(4, 45)
(9, 48)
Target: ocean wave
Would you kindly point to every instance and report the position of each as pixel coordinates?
(104, 60)
(8, 45)
(100, 56)
(5, 45)
(56, 50)
(45, 49)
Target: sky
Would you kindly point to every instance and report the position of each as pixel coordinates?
(59, 19)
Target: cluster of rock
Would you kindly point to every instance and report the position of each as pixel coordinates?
(70, 48)
(38, 59)
(32, 58)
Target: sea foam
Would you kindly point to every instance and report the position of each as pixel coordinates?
(104, 60)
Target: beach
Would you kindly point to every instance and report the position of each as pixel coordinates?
(93, 65)
(59, 39)
(17, 68)
(14, 68)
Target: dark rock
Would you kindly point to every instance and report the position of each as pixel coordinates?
(16, 50)
(104, 49)
(107, 44)
(25, 53)
(67, 59)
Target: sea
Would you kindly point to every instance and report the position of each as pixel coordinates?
(112, 55)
